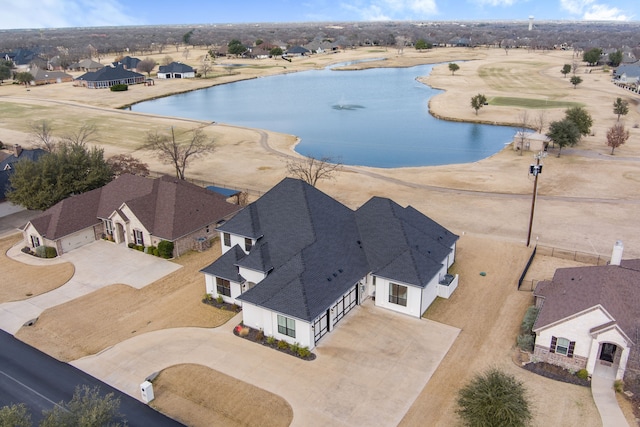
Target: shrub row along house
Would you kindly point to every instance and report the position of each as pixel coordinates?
(132, 210)
(298, 261)
(590, 317)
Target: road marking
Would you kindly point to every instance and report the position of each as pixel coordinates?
(33, 391)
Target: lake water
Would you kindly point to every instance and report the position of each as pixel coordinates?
(377, 117)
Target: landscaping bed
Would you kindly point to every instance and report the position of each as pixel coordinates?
(222, 305)
(556, 373)
(258, 336)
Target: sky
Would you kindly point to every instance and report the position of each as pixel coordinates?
(91, 13)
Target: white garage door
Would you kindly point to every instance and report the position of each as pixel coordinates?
(76, 240)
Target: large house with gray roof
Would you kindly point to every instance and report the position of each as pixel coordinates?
(108, 76)
(132, 209)
(590, 316)
(176, 70)
(298, 261)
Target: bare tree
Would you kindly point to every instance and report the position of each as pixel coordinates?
(540, 121)
(177, 153)
(523, 125)
(126, 163)
(42, 134)
(574, 67)
(312, 170)
(185, 53)
(167, 60)
(616, 136)
(87, 133)
(146, 66)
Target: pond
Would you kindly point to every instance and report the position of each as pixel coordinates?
(376, 117)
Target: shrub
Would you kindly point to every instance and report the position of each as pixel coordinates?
(283, 345)
(155, 252)
(525, 342)
(165, 249)
(260, 335)
(130, 245)
(26, 250)
(207, 297)
(50, 252)
(243, 332)
(119, 88)
(219, 299)
(295, 347)
(304, 352)
(271, 340)
(618, 386)
(149, 250)
(529, 319)
(139, 248)
(582, 374)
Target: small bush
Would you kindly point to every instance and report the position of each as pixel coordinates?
(149, 250)
(50, 252)
(283, 345)
(529, 319)
(119, 88)
(525, 342)
(618, 386)
(165, 249)
(155, 252)
(260, 335)
(130, 245)
(139, 248)
(26, 250)
(208, 297)
(243, 332)
(271, 340)
(295, 347)
(582, 374)
(304, 352)
(219, 299)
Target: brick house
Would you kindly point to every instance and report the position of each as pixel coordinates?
(133, 209)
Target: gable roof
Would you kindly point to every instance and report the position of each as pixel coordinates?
(175, 67)
(128, 62)
(87, 64)
(42, 74)
(574, 290)
(6, 166)
(108, 74)
(167, 207)
(315, 249)
(226, 266)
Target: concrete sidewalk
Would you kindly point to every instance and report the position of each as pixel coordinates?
(368, 371)
(605, 397)
(97, 265)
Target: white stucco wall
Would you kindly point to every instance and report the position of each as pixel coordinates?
(451, 258)
(211, 289)
(252, 275)
(414, 297)
(575, 329)
(266, 320)
(430, 293)
(611, 335)
(235, 240)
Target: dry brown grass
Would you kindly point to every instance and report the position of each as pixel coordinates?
(198, 396)
(118, 312)
(21, 281)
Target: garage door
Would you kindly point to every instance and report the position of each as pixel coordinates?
(321, 327)
(77, 240)
(345, 304)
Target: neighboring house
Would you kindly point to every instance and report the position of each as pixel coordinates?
(109, 76)
(132, 209)
(590, 315)
(627, 75)
(86, 65)
(176, 70)
(128, 63)
(530, 141)
(297, 51)
(6, 165)
(45, 77)
(23, 59)
(298, 261)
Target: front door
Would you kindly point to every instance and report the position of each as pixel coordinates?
(608, 352)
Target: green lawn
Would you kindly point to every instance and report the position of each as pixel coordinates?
(505, 101)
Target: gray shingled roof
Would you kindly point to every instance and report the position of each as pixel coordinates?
(573, 290)
(5, 175)
(105, 74)
(225, 267)
(168, 208)
(315, 248)
(175, 67)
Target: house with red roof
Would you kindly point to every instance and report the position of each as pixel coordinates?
(135, 210)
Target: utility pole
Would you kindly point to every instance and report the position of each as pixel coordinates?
(534, 170)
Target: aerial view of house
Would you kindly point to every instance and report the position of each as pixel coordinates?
(176, 70)
(298, 261)
(589, 316)
(132, 209)
(108, 76)
(6, 165)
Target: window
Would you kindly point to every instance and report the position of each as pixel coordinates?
(248, 244)
(223, 287)
(226, 237)
(206, 229)
(108, 226)
(398, 294)
(286, 326)
(138, 239)
(35, 241)
(562, 346)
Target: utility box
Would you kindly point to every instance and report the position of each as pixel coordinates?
(147, 391)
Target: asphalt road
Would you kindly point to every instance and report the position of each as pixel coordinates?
(39, 381)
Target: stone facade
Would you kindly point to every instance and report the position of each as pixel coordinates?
(574, 363)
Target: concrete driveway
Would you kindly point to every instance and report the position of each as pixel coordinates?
(97, 264)
(368, 371)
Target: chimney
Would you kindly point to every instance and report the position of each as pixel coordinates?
(17, 149)
(616, 255)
